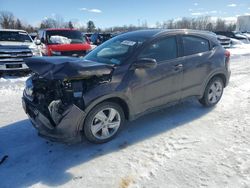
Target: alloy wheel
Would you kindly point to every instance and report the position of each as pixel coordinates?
(105, 123)
(215, 92)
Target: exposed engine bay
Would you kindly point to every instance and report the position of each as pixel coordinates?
(54, 94)
(54, 97)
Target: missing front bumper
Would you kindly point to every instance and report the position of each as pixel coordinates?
(67, 130)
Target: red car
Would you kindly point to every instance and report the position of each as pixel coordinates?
(62, 42)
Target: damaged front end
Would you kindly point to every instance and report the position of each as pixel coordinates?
(56, 106)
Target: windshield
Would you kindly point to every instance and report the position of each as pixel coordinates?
(14, 36)
(65, 37)
(114, 51)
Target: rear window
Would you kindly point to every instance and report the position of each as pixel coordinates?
(194, 45)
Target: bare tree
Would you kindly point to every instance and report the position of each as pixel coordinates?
(48, 23)
(170, 24)
(59, 21)
(90, 26)
(70, 25)
(210, 26)
(158, 25)
(220, 25)
(7, 20)
(231, 27)
(18, 24)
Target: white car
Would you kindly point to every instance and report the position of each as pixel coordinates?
(15, 45)
(247, 34)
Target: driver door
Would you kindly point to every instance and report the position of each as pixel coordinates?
(161, 85)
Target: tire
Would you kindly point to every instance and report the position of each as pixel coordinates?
(103, 122)
(213, 92)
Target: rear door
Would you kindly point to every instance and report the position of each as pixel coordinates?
(197, 54)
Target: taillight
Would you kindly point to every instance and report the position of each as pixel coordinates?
(227, 54)
(227, 58)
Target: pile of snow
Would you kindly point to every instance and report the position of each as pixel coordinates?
(59, 40)
(11, 89)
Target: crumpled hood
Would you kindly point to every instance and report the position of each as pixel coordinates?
(66, 67)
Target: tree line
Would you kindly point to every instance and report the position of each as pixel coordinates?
(9, 21)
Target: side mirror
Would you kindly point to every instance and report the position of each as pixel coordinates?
(38, 42)
(145, 63)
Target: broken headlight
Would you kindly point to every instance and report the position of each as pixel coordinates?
(29, 88)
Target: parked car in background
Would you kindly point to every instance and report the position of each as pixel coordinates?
(33, 36)
(15, 45)
(128, 76)
(247, 34)
(63, 42)
(226, 42)
(234, 35)
(99, 38)
(87, 38)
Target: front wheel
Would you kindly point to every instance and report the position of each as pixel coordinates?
(213, 92)
(103, 122)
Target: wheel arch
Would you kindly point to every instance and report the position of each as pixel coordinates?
(118, 99)
(220, 74)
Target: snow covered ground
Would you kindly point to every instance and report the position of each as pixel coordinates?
(182, 146)
(240, 49)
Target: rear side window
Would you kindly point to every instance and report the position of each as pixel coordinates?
(161, 50)
(194, 45)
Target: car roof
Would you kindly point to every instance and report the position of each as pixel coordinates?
(13, 30)
(59, 29)
(151, 33)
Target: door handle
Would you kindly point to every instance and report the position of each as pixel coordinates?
(178, 67)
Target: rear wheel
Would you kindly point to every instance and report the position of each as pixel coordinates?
(213, 92)
(103, 122)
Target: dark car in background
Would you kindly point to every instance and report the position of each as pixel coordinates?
(63, 42)
(98, 38)
(247, 34)
(130, 75)
(234, 35)
(226, 42)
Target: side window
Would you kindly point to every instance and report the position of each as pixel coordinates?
(194, 45)
(161, 50)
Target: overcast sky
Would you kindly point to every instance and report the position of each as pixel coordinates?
(107, 13)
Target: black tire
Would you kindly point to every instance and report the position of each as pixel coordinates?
(205, 99)
(90, 118)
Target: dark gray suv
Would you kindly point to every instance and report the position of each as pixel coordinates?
(124, 78)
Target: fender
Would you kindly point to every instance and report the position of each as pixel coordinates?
(103, 98)
(219, 71)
